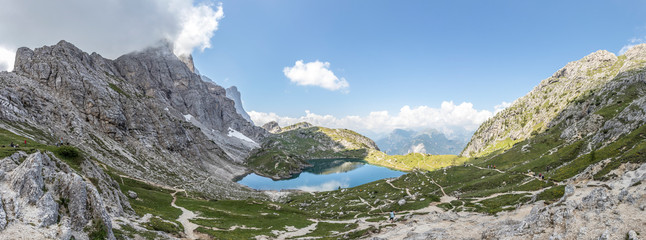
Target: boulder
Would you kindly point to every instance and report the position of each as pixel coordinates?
(48, 210)
(132, 194)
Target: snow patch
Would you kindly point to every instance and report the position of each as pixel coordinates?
(188, 117)
(234, 133)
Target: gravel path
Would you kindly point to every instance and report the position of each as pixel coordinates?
(189, 227)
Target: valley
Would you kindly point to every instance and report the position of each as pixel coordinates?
(151, 150)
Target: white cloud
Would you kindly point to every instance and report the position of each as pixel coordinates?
(447, 118)
(7, 58)
(198, 25)
(633, 42)
(327, 186)
(110, 28)
(315, 74)
(498, 108)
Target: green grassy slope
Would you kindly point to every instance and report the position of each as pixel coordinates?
(287, 152)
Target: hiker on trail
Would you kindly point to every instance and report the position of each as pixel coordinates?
(392, 216)
(543, 177)
(25, 142)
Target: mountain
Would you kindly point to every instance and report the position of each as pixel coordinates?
(285, 152)
(234, 94)
(573, 147)
(272, 127)
(231, 92)
(401, 142)
(145, 114)
(542, 108)
(150, 150)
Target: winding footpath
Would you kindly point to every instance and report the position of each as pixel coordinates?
(189, 227)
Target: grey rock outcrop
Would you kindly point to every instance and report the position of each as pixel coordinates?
(272, 127)
(132, 194)
(44, 194)
(27, 179)
(234, 94)
(49, 210)
(146, 114)
(3, 215)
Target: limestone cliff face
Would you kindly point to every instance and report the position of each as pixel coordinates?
(146, 114)
(43, 198)
(544, 106)
(272, 127)
(234, 94)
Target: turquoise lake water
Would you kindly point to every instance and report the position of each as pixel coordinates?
(325, 175)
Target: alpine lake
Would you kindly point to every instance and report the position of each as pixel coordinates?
(325, 175)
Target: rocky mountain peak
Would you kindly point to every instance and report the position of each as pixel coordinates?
(169, 118)
(188, 60)
(272, 127)
(599, 56)
(634, 57)
(591, 62)
(234, 94)
(637, 52)
(298, 126)
(535, 112)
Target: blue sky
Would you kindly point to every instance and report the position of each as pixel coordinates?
(416, 53)
(387, 64)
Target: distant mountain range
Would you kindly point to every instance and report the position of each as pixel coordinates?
(431, 141)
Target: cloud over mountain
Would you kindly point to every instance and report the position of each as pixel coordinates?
(446, 118)
(110, 28)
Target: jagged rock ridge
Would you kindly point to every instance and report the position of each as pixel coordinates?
(145, 114)
(42, 197)
(234, 94)
(272, 127)
(534, 112)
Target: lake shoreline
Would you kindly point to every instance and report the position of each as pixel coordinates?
(322, 175)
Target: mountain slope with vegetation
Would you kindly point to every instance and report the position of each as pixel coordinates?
(574, 169)
(534, 112)
(588, 158)
(285, 153)
(579, 139)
